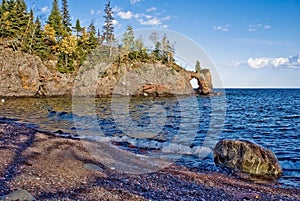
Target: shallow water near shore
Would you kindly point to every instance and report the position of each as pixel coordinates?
(182, 128)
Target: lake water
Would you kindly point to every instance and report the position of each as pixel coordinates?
(184, 129)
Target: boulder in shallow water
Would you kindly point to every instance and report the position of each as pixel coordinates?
(246, 157)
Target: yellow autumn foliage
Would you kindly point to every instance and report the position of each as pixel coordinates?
(50, 32)
(68, 45)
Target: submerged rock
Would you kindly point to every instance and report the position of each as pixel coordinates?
(246, 157)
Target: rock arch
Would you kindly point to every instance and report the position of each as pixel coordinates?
(204, 81)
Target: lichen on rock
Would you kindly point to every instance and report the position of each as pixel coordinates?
(247, 157)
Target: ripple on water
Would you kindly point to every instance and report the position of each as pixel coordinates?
(269, 117)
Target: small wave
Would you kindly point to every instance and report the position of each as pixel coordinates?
(59, 115)
(291, 117)
(290, 165)
(164, 147)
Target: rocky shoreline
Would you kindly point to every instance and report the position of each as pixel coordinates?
(49, 167)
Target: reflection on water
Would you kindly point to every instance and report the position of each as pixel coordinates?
(185, 128)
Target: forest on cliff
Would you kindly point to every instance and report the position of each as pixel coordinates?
(57, 39)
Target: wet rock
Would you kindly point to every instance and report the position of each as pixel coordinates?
(246, 157)
(18, 195)
(153, 90)
(93, 167)
(247, 196)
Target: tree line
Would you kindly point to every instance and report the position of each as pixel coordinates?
(70, 45)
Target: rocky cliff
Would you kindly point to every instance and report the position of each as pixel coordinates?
(26, 75)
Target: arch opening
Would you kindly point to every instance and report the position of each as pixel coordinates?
(194, 83)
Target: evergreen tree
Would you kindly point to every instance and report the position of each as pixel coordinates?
(55, 20)
(4, 19)
(38, 44)
(167, 50)
(197, 66)
(29, 33)
(156, 53)
(78, 28)
(92, 41)
(128, 39)
(13, 19)
(66, 18)
(108, 29)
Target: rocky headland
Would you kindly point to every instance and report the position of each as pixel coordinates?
(24, 74)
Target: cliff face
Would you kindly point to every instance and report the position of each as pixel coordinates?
(26, 75)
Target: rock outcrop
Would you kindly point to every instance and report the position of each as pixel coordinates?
(247, 157)
(26, 75)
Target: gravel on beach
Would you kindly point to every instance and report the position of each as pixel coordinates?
(50, 167)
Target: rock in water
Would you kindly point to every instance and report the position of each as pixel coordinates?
(18, 195)
(246, 157)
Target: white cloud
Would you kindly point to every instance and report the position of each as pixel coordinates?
(154, 21)
(259, 26)
(151, 9)
(151, 20)
(125, 15)
(135, 1)
(263, 62)
(267, 62)
(115, 22)
(221, 28)
(92, 12)
(98, 12)
(45, 9)
(116, 9)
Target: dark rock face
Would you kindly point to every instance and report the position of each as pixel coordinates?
(26, 75)
(247, 157)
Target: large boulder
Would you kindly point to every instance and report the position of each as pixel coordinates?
(247, 157)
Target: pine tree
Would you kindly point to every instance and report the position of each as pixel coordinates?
(29, 33)
(78, 28)
(55, 20)
(5, 24)
(108, 29)
(128, 39)
(38, 45)
(167, 50)
(66, 18)
(156, 53)
(197, 66)
(92, 41)
(12, 19)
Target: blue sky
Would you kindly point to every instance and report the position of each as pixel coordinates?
(252, 43)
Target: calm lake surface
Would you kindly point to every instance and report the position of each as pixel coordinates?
(182, 128)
